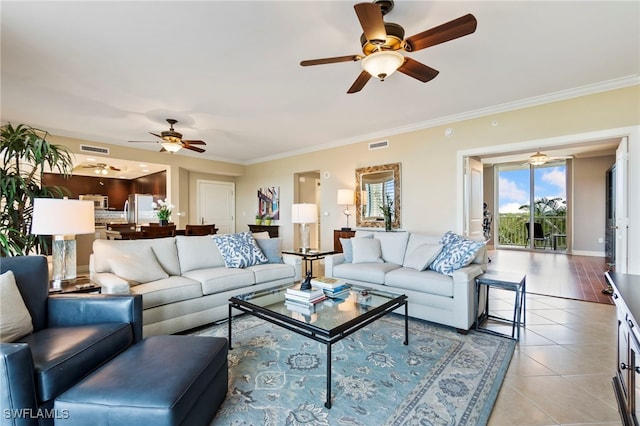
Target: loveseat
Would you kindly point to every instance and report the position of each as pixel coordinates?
(402, 262)
(183, 280)
(52, 342)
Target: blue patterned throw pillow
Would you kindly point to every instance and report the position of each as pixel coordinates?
(239, 250)
(457, 252)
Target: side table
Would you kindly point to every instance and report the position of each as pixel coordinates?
(309, 256)
(78, 285)
(515, 282)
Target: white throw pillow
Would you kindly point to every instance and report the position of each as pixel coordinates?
(138, 268)
(366, 250)
(15, 319)
(422, 256)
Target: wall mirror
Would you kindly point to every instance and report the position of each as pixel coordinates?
(373, 185)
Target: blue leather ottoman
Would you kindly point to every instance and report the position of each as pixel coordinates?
(162, 380)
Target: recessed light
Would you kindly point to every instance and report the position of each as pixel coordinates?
(448, 132)
(91, 159)
(145, 170)
(142, 165)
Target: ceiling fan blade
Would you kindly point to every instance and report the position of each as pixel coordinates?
(459, 27)
(143, 141)
(330, 60)
(417, 70)
(193, 148)
(370, 17)
(196, 142)
(115, 169)
(362, 79)
(156, 135)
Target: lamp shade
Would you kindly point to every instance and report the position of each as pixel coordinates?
(345, 197)
(171, 146)
(55, 216)
(304, 213)
(383, 63)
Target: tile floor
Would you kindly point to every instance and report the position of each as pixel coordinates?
(561, 371)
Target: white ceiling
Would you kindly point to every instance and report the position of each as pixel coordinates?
(229, 70)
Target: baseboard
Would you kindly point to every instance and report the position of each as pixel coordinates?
(587, 253)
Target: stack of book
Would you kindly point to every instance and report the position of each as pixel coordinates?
(303, 301)
(333, 288)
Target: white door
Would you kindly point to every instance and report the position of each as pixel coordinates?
(473, 198)
(216, 205)
(622, 211)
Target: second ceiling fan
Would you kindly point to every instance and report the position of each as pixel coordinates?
(382, 41)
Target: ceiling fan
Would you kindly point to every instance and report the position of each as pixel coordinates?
(539, 159)
(382, 41)
(101, 168)
(172, 141)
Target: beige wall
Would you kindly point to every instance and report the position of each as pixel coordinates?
(430, 201)
(589, 196)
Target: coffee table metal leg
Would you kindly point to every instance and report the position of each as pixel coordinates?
(328, 403)
(230, 346)
(406, 323)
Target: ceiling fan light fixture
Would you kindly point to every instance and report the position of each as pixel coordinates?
(383, 63)
(171, 146)
(538, 159)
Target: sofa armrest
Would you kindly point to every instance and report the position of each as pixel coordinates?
(81, 309)
(296, 262)
(330, 261)
(17, 388)
(467, 274)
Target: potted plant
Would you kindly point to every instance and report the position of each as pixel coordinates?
(25, 155)
(266, 220)
(387, 212)
(258, 219)
(163, 211)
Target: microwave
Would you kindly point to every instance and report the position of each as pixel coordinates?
(100, 202)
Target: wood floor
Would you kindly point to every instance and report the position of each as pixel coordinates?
(556, 274)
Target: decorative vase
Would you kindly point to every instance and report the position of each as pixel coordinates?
(164, 222)
(258, 221)
(387, 223)
(266, 222)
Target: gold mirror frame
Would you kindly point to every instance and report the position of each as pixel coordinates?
(361, 176)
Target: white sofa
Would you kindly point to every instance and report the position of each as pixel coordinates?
(432, 296)
(183, 280)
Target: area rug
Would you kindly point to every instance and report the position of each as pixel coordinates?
(277, 377)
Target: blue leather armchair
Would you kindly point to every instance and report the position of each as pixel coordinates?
(72, 336)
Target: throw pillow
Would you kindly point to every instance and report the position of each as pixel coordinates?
(347, 248)
(366, 250)
(457, 252)
(15, 319)
(271, 249)
(239, 250)
(138, 268)
(261, 235)
(422, 256)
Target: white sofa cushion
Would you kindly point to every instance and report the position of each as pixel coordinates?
(139, 267)
(366, 250)
(392, 244)
(168, 290)
(367, 272)
(15, 319)
(164, 249)
(216, 280)
(272, 271)
(421, 256)
(430, 282)
(198, 252)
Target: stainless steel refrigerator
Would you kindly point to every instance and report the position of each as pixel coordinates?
(139, 209)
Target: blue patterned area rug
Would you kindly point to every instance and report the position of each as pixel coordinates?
(277, 377)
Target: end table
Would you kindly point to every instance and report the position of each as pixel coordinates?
(80, 284)
(515, 282)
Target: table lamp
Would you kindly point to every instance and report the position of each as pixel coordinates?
(345, 198)
(63, 219)
(304, 214)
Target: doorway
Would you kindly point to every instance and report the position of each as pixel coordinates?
(532, 206)
(215, 205)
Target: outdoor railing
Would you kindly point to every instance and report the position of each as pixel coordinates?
(512, 230)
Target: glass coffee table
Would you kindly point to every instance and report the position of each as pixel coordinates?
(326, 322)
